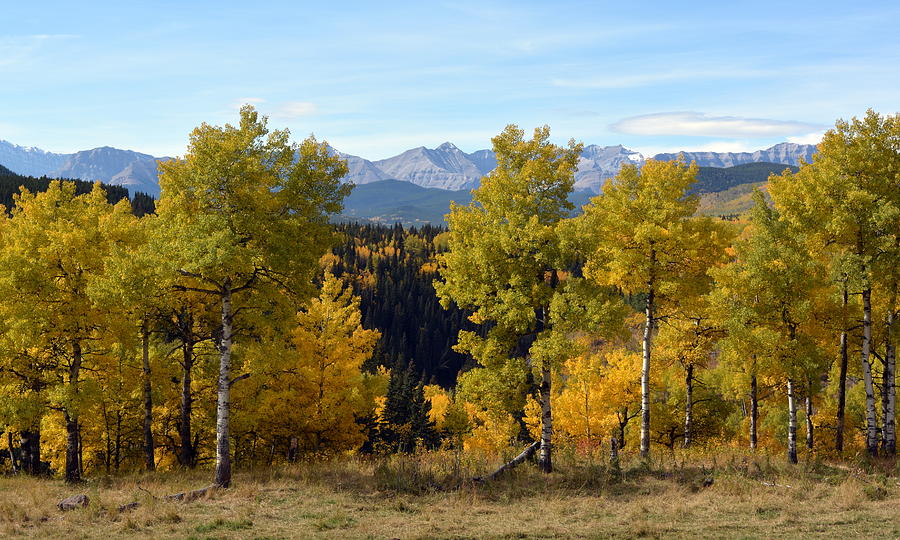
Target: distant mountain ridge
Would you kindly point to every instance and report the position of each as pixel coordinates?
(786, 153)
(392, 201)
(449, 168)
(132, 170)
(445, 167)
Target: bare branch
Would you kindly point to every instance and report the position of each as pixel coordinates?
(238, 378)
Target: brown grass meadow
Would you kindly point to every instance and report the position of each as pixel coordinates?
(429, 496)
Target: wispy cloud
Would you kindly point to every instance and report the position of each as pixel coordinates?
(712, 146)
(809, 138)
(22, 49)
(702, 125)
(295, 109)
(45, 37)
(651, 78)
(285, 110)
(240, 102)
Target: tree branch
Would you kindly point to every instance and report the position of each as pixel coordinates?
(185, 273)
(238, 378)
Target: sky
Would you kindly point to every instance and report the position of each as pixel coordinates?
(377, 78)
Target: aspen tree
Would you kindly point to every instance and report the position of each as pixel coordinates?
(244, 210)
(768, 289)
(641, 239)
(849, 198)
(506, 259)
(313, 388)
(133, 285)
(52, 249)
(687, 340)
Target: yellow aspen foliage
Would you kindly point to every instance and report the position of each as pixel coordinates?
(53, 246)
(243, 215)
(640, 237)
(313, 389)
(492, 433)
(440, 401)
(599, 386)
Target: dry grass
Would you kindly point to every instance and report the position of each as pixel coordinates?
(423, 497)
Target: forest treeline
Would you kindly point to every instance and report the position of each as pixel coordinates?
(235, 324)
(11, 183)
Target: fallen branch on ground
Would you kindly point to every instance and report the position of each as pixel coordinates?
(188, 496)
(527, 453)
(128, 507)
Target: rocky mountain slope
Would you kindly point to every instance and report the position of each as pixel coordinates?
(445, 167)
(126, 168)
(722, 190)
(786, 153)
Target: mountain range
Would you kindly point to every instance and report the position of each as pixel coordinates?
(449, 168)
(787, 153)
(126, 168)
(445, 167)
(723, 190)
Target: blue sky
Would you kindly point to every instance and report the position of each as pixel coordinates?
(376, 78)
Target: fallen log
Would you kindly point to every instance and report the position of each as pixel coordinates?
(188, 496)
(128, 507)
(73, 502)
(516, 461)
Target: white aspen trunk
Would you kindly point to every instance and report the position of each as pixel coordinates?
(546, 459)
(889, 387)
(842, 382)
(754, 412)
(792, 423)
(871, 421)
(647, 343)
(223, 451)
(688, 405)
(149, 458)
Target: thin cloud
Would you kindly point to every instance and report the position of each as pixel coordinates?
(610, 82)
(809, 138)
(617, 81)
(295, 109)
(23, 49)
(44, 37)
(702, 125)
(236, 105)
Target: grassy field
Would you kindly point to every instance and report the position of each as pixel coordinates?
(750, 497)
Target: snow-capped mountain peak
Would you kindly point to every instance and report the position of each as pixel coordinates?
(444, 167)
